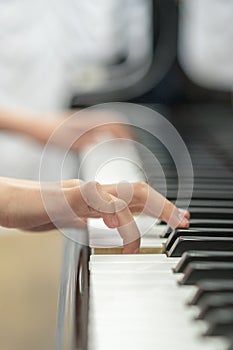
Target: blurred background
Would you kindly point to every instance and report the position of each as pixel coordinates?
(173, 55)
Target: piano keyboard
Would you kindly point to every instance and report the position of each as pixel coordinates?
(181, 297)
(136, 304)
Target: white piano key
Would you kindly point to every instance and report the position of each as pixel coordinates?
(129, 257)
(102, 237)
(143, 307)
(132, 266)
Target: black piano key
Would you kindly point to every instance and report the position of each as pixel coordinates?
(205, 181)
(206, 195)
(202, 223)
(211, 213)
(198, 271)
(210, 223)
(167, 232)
(213, 302)
(221, 322)
(212, 180)
(197, 256)
(212, 186)
(208, 287)
(173, 187)
(213, 232)
(184, 244)
(206, 203)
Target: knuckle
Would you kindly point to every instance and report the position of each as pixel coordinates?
(75, 182)
(142, 186)
(119, 205)
(90, 193)
(141, 191)
(92, 185)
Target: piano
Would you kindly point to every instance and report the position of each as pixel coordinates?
(178, 292)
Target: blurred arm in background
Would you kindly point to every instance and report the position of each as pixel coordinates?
(88, 127)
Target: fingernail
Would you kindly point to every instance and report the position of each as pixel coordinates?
(184, 223)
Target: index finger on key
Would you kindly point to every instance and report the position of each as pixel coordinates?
(116, 214)
(127, 228)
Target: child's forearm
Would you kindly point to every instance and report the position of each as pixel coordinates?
(22, 206)
(22, 123)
